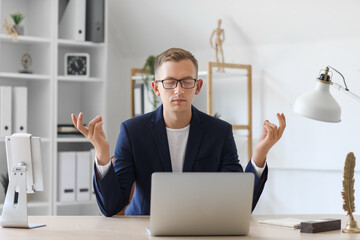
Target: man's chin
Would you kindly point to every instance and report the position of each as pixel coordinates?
(180, 106)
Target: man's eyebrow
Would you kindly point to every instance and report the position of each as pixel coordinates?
(172, 78)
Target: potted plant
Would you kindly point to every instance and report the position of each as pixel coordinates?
(17, 18)
(149, 76)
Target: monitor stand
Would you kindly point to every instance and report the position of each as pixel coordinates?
(14, 213)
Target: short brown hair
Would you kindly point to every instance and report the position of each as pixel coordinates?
(175, 55)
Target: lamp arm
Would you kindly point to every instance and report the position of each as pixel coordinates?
(346, 91)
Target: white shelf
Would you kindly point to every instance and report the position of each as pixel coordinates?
(79, 79)
(72, 139)
(24, 76)
(75, 203)
(73, 43)
(33, 204)
(24, 39)
(52, 96)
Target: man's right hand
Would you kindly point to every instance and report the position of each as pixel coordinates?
(95, 134)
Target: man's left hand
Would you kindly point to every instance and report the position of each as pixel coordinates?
(270, 135)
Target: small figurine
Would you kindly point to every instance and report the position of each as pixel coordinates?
(26, 63)
(219, 39)
(10, 30)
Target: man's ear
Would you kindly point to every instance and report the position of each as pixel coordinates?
(198, 86)
(155, 87)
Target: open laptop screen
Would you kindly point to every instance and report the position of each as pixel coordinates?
(201, 203)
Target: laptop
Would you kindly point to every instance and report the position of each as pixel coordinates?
(200, 204)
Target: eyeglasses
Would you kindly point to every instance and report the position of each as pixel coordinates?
(186, 83)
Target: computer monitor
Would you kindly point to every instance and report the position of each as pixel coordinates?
(23, 154)
(19, 150)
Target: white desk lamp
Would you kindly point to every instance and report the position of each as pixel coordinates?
(319, 104)
(25, 176)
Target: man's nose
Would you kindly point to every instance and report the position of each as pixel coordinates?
(178, 90)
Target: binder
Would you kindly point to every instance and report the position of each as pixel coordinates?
(72, 23)
(83, 176)
(66, 176)
(5, 111)
(95, 20)
(92, 168)
(20, 111)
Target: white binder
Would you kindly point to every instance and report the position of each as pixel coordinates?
(72, 23)
(66, 176)
(83, 176)
(92, 168)
(20, 109)
(5, 111)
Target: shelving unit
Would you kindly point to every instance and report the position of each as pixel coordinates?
(52, 96)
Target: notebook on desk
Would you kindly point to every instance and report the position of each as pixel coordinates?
(201, 203)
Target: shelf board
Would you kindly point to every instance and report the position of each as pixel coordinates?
(75, 203)
(33, 204)
(72, 139)
(24, 39)
(79, 79)
(73, 43)
(24, 76)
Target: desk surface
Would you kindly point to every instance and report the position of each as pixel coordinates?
(133, 228)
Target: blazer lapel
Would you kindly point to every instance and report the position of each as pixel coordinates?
(194, 140)
(160, 137)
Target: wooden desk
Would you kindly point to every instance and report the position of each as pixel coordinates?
(133, 228)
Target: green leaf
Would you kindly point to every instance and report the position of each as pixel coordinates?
(17, 18)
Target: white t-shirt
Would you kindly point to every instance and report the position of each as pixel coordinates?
(177, 139)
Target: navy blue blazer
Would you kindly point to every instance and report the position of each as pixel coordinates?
(142, 149)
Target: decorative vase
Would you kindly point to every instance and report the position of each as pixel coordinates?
(19, 29)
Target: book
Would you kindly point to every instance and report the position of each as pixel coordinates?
(67, 129)
(320, 225)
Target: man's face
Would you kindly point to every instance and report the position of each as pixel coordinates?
(177, 99)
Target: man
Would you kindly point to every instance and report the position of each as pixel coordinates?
(175, 137)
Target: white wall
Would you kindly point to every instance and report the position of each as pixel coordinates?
(306, 165)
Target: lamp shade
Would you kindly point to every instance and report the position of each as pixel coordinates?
(318, 104)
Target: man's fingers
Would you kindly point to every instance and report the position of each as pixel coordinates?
(78, 122)
(275, 130)
(73, 118)
(281, 119)
(269, 129)
(92, 125)
(98, 129)
(282, 124)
